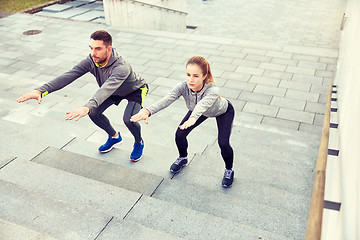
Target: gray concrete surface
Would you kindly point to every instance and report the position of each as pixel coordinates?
(272, 60)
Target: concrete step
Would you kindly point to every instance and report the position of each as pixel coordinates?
(223, 205)
(46, 215)
(191, 224)
(207, 173)
(29, 214)
(73, 188)
(25, 142)
(105, 198)
(14, 231)
(109, 173)
(51, 185)
(125, 229)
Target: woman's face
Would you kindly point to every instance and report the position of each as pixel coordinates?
(194, 77)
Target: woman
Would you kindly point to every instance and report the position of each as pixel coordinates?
(203, 100)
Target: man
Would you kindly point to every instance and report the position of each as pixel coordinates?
(116, 80)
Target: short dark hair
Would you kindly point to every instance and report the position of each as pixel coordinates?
(102, 35)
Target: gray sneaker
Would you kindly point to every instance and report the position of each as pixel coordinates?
(228, 178)
(178, 164)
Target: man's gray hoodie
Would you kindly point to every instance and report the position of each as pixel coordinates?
(115, 78)
(206, 102)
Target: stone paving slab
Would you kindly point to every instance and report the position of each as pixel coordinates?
(60, 185)
(56, 8)
(123, 229)
(152, 213)
(247, 213)
(116, 175)
(48, 215)
(14, 231)
(21, 138)
(89, 16)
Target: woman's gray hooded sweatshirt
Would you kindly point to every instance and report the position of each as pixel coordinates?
(206, 102)
(115, 78)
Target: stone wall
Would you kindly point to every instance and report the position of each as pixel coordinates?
(348, 86)
(163, 15)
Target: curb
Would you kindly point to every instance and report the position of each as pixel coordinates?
(39, 8)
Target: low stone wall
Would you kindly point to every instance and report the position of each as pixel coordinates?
(163, 15)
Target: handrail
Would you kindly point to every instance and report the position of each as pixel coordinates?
(159, 7)
(314, 222)
(343, 20)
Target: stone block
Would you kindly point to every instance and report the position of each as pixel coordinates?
(98, 170)
(124, 229)
(70, 13)
(258, 58)
(310, 58)
(301, 70)
(216, 204)
(261, 109)
(152, 212)
(284, 61)
(273, 66)
(38, 211)
(296, 115)
(295, 85)
(246, 63)
(278, 54)
(236, 76)
(302, 95)
(255, 97)
(270, 90)
(240, 85)
(277, 74)
(249, 70)
(14, 231)
(60, 185)
(281, 123)
(265, 81)
(307, 79)
(316, 65)
(158, 64)
(288, 103)
(310, 128)
(315, 107)
(57, 8)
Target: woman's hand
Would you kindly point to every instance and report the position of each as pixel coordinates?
(191, 121)
(142, 115)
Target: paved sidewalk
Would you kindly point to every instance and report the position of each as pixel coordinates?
(270, 59)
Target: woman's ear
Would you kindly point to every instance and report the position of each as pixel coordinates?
(205, 76)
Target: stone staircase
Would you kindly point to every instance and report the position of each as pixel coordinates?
(55, 185)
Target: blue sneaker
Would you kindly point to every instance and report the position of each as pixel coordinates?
(109, 145)
(137, 152)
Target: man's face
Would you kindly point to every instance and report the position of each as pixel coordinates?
(99, 52)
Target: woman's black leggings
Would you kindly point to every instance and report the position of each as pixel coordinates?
(97, 116)
(224, 123)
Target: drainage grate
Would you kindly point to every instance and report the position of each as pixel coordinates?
(31, 32)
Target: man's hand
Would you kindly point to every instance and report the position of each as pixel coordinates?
(77, 113)
(35, 94)
(191, 121)
(142, 115)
